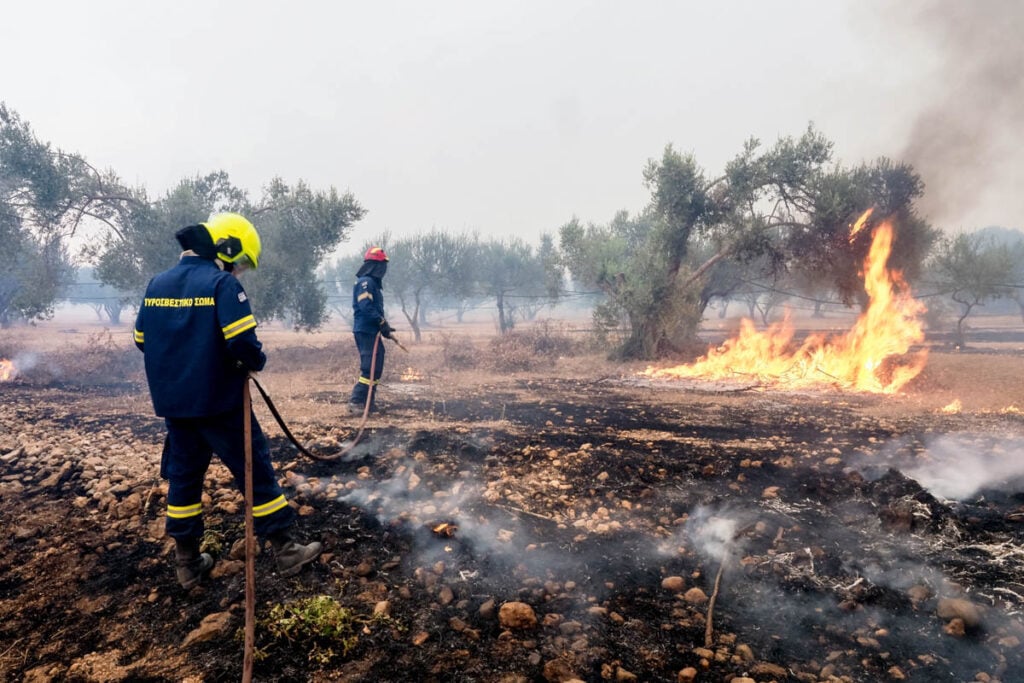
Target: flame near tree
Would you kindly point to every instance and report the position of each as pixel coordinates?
(870, 357)
(8, 371)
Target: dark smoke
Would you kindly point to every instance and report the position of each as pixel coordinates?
(967, 136)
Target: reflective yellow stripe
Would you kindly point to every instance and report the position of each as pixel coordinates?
(269, 508)
(138, 337)
(239, 326)
(364, 295)
(184, 511)
(366, 380)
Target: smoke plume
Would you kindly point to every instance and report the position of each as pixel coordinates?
(966, 137)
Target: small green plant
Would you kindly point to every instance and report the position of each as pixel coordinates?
(320, 623)
(213, 541)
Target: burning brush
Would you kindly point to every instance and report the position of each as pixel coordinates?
(444, 529)
(8, 370)
(873, 356)
(410, 375)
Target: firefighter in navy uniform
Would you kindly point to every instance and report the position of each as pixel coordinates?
(198, 335)
(367, 321)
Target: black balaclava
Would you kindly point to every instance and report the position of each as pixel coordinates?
(197, 238)
(374, 269)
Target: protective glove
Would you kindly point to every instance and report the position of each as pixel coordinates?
(385, 329)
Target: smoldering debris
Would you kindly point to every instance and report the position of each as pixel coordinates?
(958, 469)
(955, 467)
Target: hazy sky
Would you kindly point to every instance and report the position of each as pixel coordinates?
(510, 118)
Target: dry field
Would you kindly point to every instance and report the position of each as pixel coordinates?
(600, 526)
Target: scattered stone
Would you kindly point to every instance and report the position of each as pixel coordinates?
(98, 666)
(212, 626)
(955, 627)
(687, 675)
(673, 583)
(769, 670)
(227, 568)
(958, 608)
(517, 615)
(558, 671)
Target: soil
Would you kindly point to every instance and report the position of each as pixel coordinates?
(600, 527)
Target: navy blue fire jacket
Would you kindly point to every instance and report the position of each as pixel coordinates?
(194, 327)
(367, 305)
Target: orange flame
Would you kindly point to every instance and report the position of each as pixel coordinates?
(863, 359)
(444, 529)
(410, 375)
(859, 225)
(952, 408)
(8, 370)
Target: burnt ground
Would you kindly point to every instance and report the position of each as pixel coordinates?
(854, 538)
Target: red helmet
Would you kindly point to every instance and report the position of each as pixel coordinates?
(375, 254)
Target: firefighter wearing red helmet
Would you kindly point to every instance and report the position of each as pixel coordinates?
(368, 321)
(198, 335)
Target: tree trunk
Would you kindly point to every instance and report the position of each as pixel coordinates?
(412, 318)
(502, 325)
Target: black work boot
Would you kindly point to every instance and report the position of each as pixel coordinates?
(292, 556)
(192, 566)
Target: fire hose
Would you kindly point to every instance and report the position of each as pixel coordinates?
(250, 543)
(362, 424)
(250, 536)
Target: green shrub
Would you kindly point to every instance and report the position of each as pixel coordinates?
(319, 624)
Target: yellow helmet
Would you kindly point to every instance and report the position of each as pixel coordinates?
(235, 238)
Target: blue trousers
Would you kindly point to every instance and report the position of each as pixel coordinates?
(364, 343)
(188, 449)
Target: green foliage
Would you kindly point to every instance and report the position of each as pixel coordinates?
(773, 213)
(40, 203)
(108, 302)
(143, 242)
(971, 269)
(320, 625)
(439, 269)
(45, 195)
(298, 228)
(512, 273)
(213, 540)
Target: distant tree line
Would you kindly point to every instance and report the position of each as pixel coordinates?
(443, 271)
(773, 226)
(47, 195)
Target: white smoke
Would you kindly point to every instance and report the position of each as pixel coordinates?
(957, 469)
(25, 361)
(711, 533)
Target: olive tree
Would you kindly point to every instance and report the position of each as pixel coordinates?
(783, 208)
(971, 269)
